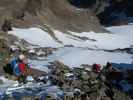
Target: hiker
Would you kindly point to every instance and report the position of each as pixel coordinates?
(96, 68)
(109, 67)
(18, 65)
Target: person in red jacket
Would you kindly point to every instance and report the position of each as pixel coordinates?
(22, 64)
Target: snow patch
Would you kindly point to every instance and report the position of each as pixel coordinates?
(35, 36)
(120, 38)
(74, 57)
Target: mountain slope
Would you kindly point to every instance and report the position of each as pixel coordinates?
(58, 14)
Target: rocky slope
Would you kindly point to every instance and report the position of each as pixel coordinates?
(110, 12)
(68, 74)
(57, 14)
(74, 15)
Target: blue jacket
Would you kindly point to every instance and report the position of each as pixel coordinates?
(14, 66)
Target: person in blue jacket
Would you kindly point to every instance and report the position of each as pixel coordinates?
(14, 64)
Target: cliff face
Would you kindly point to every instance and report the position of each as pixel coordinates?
(109, 12)
(58, 14)
(118, 12)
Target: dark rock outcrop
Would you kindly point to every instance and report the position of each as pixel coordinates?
(110, 12)
(118, 12)
(7, 26)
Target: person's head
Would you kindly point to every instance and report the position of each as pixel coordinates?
(21, 57)
(109, 64)
(94, 65)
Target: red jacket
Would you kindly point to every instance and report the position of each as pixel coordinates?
(22, 67)
(96, 68)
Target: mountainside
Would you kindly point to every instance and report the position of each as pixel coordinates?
(109, 12)
(74, 15)
(65, 50)
(58, 14)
